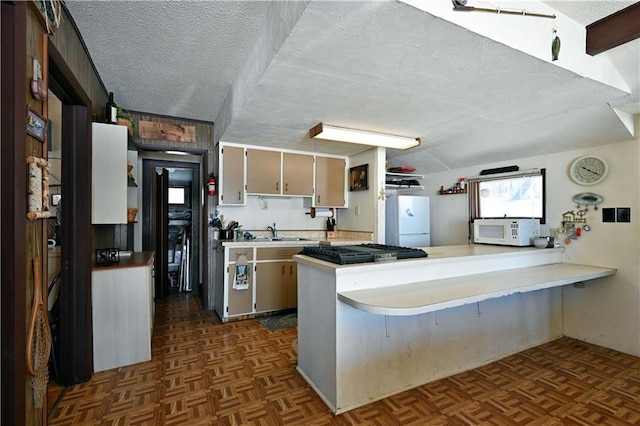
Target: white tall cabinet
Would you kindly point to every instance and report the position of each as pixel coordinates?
(109, 174)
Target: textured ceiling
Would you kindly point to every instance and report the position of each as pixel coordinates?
(266, 72)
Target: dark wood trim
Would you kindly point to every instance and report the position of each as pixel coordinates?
(66, 81)
(76, 332)
(154, 233)
(13, 81)
(204, 229)
(70, 19)
(614, 30)
(169, 117)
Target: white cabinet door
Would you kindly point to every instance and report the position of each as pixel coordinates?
(121, 324)
(109, 174)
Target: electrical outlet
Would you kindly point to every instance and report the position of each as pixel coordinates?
(357, 210)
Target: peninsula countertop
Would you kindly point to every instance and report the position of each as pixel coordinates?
(134, 260)
(442, 255)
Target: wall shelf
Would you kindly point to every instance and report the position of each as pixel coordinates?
(403, 181)
(452, 191)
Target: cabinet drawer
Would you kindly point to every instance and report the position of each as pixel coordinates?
(234, 253)
(277, 253)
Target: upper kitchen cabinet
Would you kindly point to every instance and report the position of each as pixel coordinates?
(297, 172)
(232, 183)
(330, 182)
(109, 174)
(263, 171)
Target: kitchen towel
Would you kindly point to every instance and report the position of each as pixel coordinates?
(241, 278)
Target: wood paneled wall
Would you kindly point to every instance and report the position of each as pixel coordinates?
(72, 49)
(35, 229)
(204, 145)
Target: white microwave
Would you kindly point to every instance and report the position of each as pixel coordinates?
(507, 232)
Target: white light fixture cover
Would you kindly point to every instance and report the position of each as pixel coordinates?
(341, 134)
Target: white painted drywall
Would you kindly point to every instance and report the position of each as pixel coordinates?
(260, 212)
(366, 201)
(606, 315)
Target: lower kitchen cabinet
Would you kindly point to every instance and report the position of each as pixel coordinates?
(271, 283)
(272, 286)
(240, 299)
(122, 312)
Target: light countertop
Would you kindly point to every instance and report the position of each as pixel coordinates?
(262, 242)
(436, 255)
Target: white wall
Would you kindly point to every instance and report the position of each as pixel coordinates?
(260, 212)
(606, 312)
(371, 210)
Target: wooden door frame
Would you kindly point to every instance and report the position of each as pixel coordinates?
(76, 329)
(149, 219)
(13, 222)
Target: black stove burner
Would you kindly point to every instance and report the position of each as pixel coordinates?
(363, 253)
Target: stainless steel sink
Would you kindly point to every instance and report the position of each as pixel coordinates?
(287, 239)
(258, 239)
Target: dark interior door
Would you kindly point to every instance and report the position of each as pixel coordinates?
(154, 220)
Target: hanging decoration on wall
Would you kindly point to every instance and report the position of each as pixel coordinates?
(49, 12)
(37, 188)
(38, 86)
(38, 341)
(575, 222)
(587, 199)
(36, 125)
(461, 6)
(166, 131)
(555, 45)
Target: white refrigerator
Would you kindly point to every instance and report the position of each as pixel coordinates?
(407, 221)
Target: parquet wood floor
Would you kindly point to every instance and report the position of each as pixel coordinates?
(207, 373)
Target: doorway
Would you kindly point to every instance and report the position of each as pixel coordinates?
(75, 336)
(172, 227)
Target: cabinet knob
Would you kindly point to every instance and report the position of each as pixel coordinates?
(239, 192)
(286, 187)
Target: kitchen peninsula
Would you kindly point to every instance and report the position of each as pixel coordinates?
(368, 331)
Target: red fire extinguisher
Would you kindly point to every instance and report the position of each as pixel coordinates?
(211, 185)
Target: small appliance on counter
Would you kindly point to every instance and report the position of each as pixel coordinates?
(107, 256)
(506, 232)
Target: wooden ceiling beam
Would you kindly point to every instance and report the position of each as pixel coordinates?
(614, 30)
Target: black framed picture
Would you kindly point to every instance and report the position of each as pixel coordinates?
(36, 125)
(359, 178)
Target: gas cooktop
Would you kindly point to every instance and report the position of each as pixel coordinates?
(362, 253)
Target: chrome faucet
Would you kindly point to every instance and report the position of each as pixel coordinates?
(274, 231)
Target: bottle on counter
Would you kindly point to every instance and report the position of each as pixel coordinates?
(111, 110)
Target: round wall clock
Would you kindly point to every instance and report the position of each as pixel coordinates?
(588, 170)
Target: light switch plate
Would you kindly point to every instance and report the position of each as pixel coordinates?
(623, 214)
(609, 214)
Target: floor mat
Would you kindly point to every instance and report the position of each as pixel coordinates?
(280, 321)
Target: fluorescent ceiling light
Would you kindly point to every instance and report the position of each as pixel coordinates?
(322, 131)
